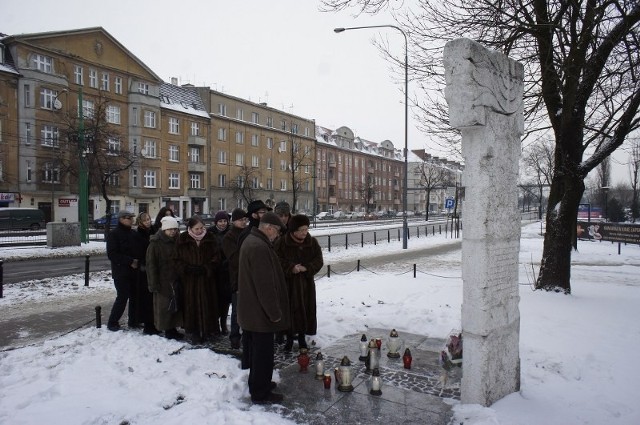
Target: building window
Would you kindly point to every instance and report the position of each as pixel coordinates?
(93, 78)
(283, 165)
(269, 184)
(283, 125)
(134, 177)
(283, 184)
(105, 81)
(222, 109)
(174, 181)
(194, 155)
(222, 204)
(195, 181)
(239, 114)
(135, 119)
(78, 75)
(49, 136)
(150, 178)
(255, 161)
(27, 95)
(174, 153)
(118, 85)
(174, 125)
(255, 140)
(306, 131)
(51, 173)
(114, 180)
(113, 145)
(239, 137)
(143, 88)
(222, 180)
(195, 128)
(269, 163)
(255, 182)
(150, 148)
(240, 159)
(43, 63)
(222, 134)
(283, 146)
(27, 133)
(47, 96)
(222, 157)
(150, 119)
(240, 181)
(88, 108)
(269, 142)
(113, 114)
(255, 118)
(294, 128)
(269, 122)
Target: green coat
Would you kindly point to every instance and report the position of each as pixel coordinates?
(161, 274)
(301, 286)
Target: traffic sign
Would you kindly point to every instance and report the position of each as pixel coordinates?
(449, 203)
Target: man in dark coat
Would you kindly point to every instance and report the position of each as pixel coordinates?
(121, 248)
(231, 252)
(283, 210)
(301, 258)
(223, 284)
(255, 210)
(263, 306)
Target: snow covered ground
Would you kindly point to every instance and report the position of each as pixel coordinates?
(577, 351)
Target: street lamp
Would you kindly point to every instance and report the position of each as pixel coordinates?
(83, 184)
(405, 227)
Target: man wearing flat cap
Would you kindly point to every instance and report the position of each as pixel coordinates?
(121, 253)
(263, 306)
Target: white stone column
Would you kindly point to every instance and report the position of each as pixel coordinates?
(484, 91)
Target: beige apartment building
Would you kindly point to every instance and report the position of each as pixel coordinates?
(354, 174)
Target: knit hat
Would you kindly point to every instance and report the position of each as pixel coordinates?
(282, 208)
(271, 218)
(297, 221)
(168, 222)
(237, 214)
(221, 215)
(255, 206)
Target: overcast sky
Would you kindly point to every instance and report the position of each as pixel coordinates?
(283, 52)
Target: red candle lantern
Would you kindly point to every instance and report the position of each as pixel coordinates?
(406, 359)
(303, 360)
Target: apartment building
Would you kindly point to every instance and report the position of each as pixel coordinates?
(9, 78)
(355, 174)
(432, 176)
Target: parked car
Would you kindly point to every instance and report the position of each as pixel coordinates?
(100, 223)
(371, 216)
(339, 215)
(323, 216)
(402, 213)
(359, 215)
(21, 219)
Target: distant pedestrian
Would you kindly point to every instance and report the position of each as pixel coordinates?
(124, 265)
(231, 251)
(301, 258)
(263, 306)
(140, 295)
(162, 277)
(219, 230)
(197, 255)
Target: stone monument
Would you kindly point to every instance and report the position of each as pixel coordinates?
(484, 90)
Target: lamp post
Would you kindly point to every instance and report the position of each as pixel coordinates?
(405, 227)
(83, 204)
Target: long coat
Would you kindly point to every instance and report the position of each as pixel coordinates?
(301, 286)
(161, 275)
(223, 282)
(195, 265)
(232, 252)
(139, 291)
(262, 290)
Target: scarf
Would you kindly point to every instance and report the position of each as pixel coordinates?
(197, 238)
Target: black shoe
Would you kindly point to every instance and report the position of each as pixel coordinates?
(235, 344)
(133, 325)
(150, 330)
(288, 346)
(114, 328)
(272, 398)
(173, 334)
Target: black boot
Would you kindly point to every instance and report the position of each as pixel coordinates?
(288, 346)
(173, 334)
(223, 325)
(302, 341)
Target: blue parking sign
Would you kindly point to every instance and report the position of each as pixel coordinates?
(449, 203)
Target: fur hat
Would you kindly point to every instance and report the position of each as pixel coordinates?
(271, 218)
(125, 213)
(237, 214)
(221, 215)
(282, 208)
(297, 221)
(169, 222)
(255, 206)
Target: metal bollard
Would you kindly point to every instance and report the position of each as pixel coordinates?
(98, 316)
(1, 277)
(329, 242)
(362, 239)
(374, 239)
(414, 270)
(328, 270)
(358, 266)
(399, 234)
(388, 236)
(86, 270)
(346, 241)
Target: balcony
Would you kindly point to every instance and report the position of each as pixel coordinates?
(396, 174)
(332, 182)
(333, 200)
(197, 167)
(396, 202)
(197, 141)
(332, 164)
(396, 187)
(370, 170)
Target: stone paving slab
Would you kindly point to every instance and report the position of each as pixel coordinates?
(408, 396)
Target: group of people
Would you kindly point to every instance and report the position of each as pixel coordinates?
(261, 263)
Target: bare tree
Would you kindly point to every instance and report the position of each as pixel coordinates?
(538, 170)
(301, 162)
(634, 174)
(433, 175)
(581, 64)
(96, 142)
(367, 191)
(243, 184)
